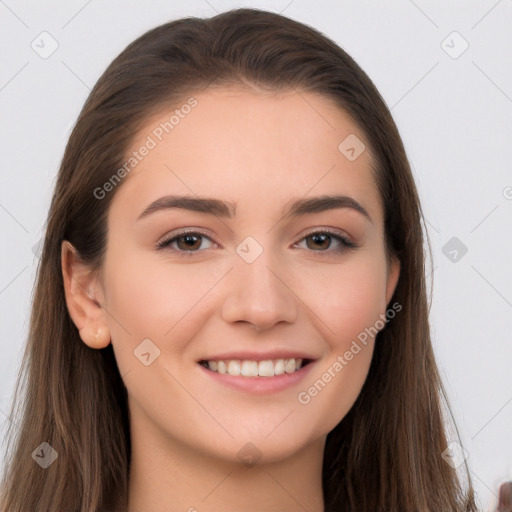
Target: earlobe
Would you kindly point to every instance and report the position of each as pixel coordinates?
(392, 281)
(83, 298)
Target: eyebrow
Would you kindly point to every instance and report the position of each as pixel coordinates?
(226, 209)
(195, 204)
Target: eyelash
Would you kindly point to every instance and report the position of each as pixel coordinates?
(345, 243)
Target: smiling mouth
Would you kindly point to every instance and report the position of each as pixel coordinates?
(248, 368)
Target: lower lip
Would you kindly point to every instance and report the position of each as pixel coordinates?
(260, 385)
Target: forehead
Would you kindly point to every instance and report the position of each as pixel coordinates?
(253, 148)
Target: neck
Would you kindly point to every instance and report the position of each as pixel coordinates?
(166, 475)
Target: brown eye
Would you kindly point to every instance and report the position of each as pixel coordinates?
(186, 242)
(327, 241)
(190, 242)
(320, 241)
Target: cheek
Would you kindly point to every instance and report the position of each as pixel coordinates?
(347, 298)
(155, 300)
(334, 386)
(350, 303)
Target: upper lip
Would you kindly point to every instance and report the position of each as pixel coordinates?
(259, 356)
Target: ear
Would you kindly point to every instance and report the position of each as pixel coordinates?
(84, 298)
(392, 279)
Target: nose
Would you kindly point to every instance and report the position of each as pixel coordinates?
(258, 294)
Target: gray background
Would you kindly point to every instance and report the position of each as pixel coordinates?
(454, 112)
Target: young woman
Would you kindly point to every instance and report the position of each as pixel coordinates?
(231, 309)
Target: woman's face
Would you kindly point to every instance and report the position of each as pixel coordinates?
(263, 276)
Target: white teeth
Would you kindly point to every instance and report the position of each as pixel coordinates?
(289, 366)
(267, 368)
(234, 367)
(279, 367)
(221, 367)
(249, 369)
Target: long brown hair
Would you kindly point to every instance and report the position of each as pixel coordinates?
(387, 453)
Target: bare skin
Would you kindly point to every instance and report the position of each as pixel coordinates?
(313, 295)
